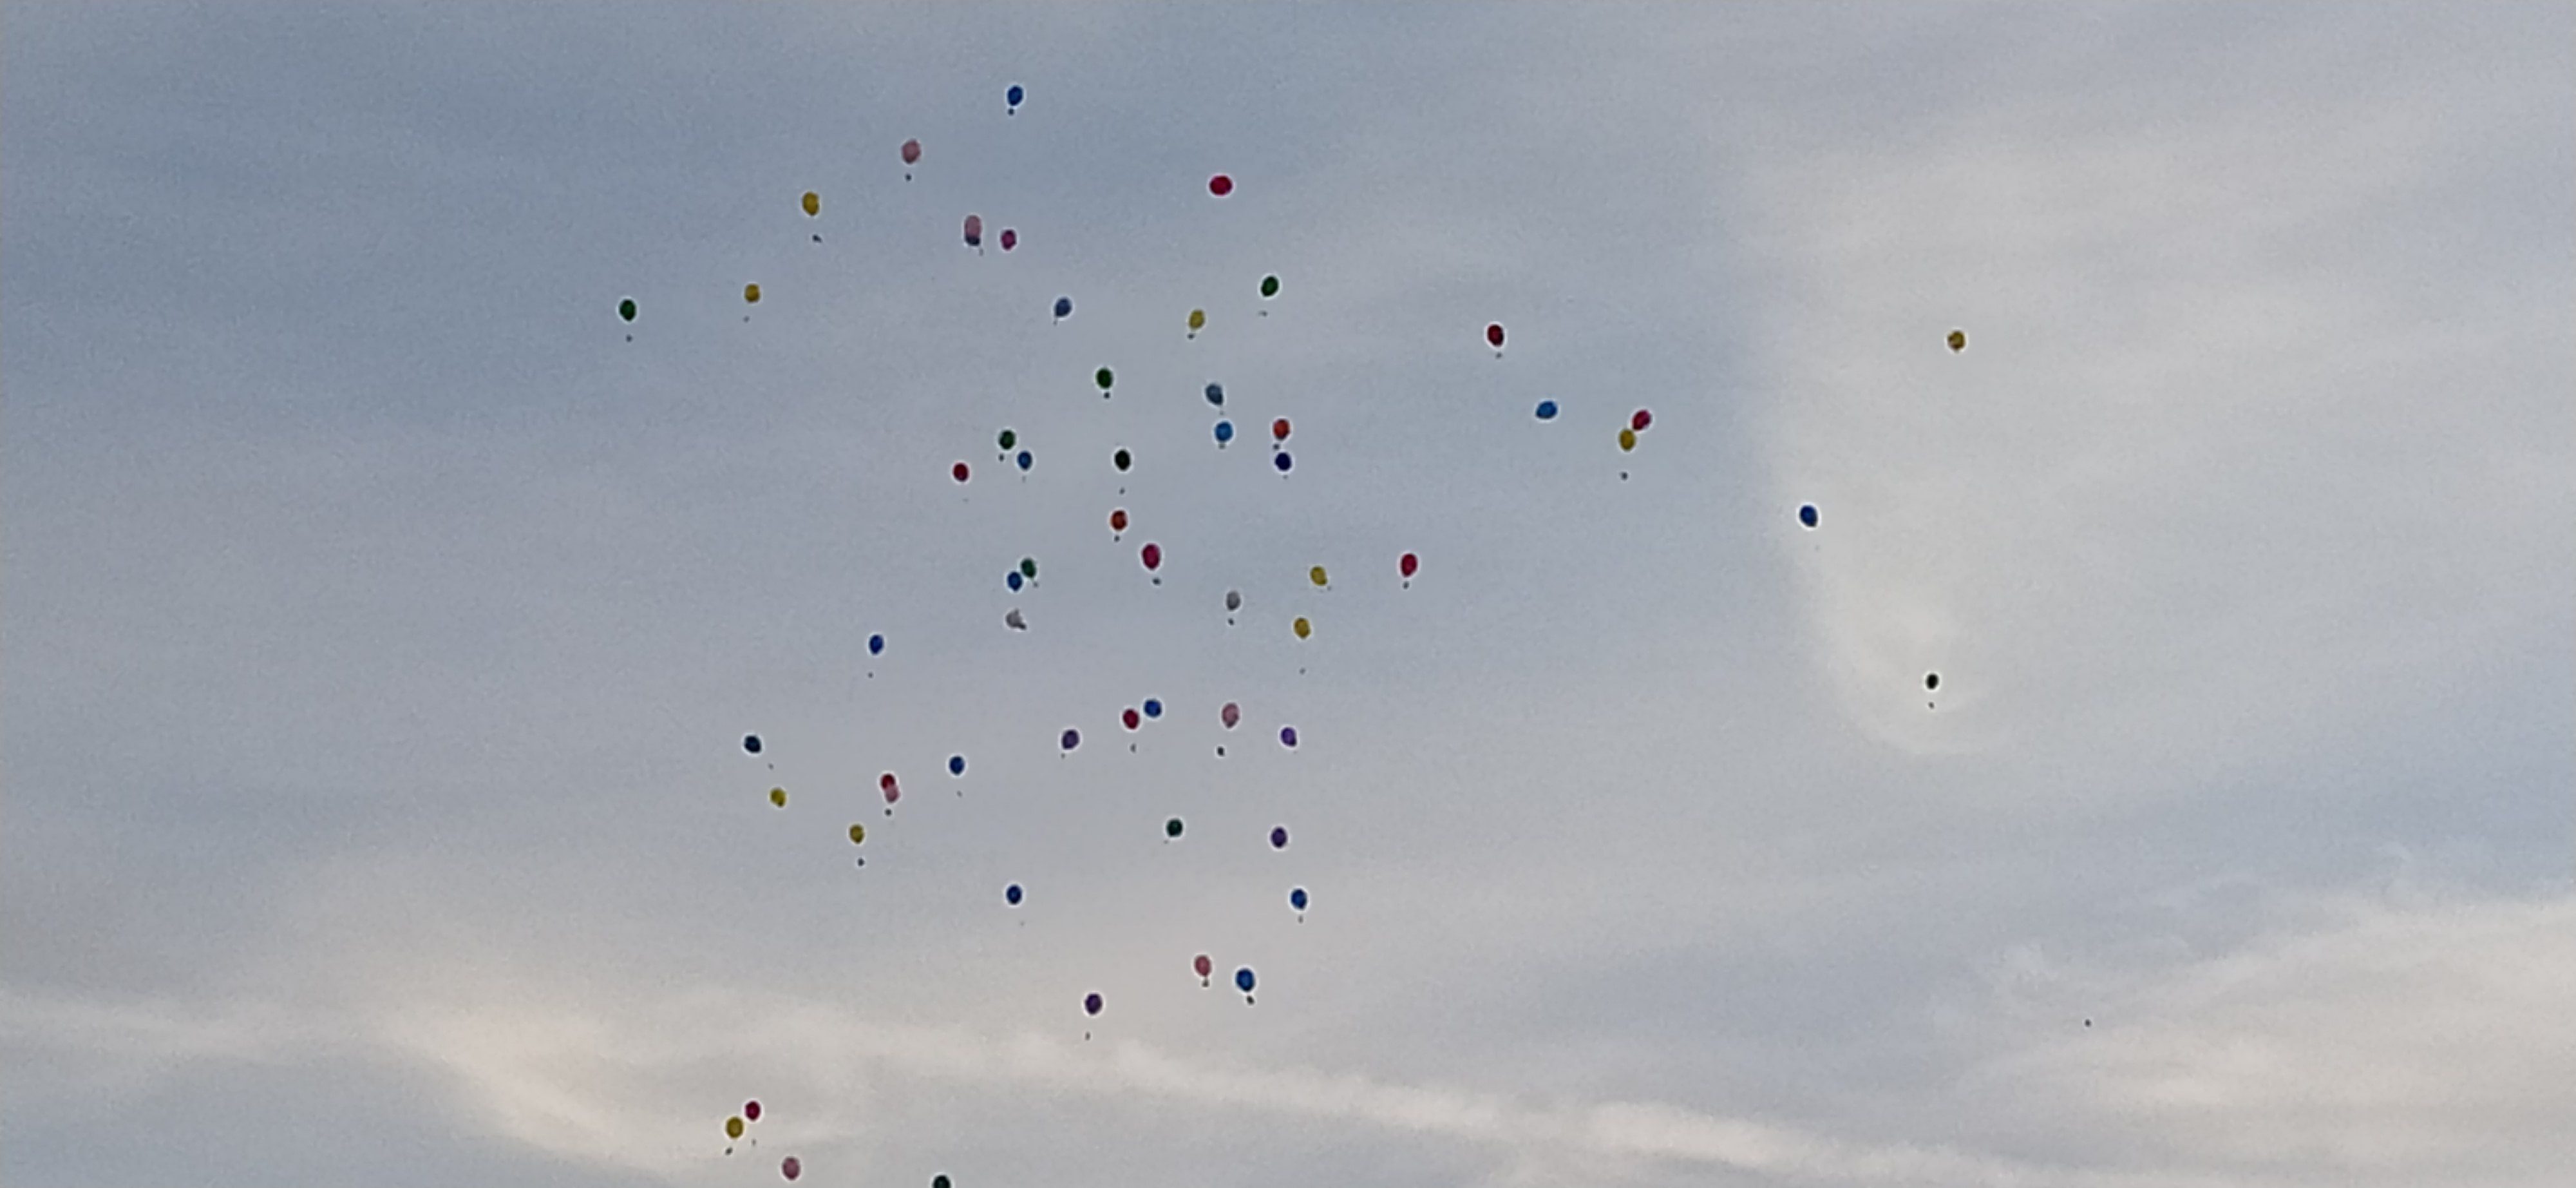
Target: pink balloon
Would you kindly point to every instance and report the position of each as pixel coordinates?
(1153, 555)
(1231, 714)
(791, 1167)
(912, 152)
(1010, 239)
(1408, 565)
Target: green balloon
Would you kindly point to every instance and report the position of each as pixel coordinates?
(1103, 378)
(1270, 286)
(1029, 568)
(1172, 828)
(626, 309)
(1009, 439)
(938, 1182)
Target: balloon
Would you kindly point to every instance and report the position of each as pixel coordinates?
(1288, 737)
(960, 472)
(1130, 718)
(1012, 895)
(1407, 565)
(1198, 321)
(893, 793)
(1091, 1003)
(751, 1110)
(1297, 898)
(1201, 966)
(1234, 600)
(1104, 378)
(751, 743)
(626, 308)
(1008, 439)
(778, 798)
(1224, 433)
(1302, 628)
(751, 294)
(1807, 515)
(1029, 568)
(974, 231)
(1172, 828)
(790, 1167)
(886, 781)
(1013, 619)
(1153, 556)
(1216, 393)
(1025, 460)
(813, 204)
(939, 1181)
(1317, 576)
(912, 152)
(858, 835)
(1010, 239)
(1282, 462)
(1220, 185)
(1243, 979)
(1958, 341)
(1153, 707)
(1063, 308)
(1279, 429)
(1122, 460)
(1494, 335)
(876, 645)
(1072, 738)
(1230, 715)
(957, 765)
(1013, 580)
(1278, 837)
(1931, 680)
(1640, 419)
(1269, 286)
(1547, 410)
(1011, 98)
(1118, 520)
(733, 1127)
(1627, 439)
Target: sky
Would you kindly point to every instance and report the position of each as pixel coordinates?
(381, 623)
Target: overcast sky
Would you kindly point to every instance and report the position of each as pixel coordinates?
(380, 624)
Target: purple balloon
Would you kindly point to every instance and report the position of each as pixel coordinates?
(1072, 738)
(1278, 837)
(1288, 736)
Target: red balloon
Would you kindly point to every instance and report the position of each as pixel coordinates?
(1408, 564)
(1640, 419)
(1279, 429)
(1202, 965)
(959, 472)
(791, 1167)
(912, 152)
(1130, 719)
(751, 1110)
(1010, 239)
(886, 782)
(1153, 555)
(1494, 335)
(1118, 520)
(1220, 185)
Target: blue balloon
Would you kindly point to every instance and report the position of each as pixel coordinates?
(1547, 410)
(1243, 979)
(1153, 707)
(1297, 898)
(1807, 515)
(1224, 432)
(1012, 579)
(1072, 738)
(1063, 308)
(876, 645)
(957, 765)
(751, 743)
(1282, 461)
(1288, 737)
(1026, 460)
(1014, 95)
(1216, 394)
(1011, 895)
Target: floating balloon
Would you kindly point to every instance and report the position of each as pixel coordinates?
(1010, 239)
(1278, 837)
(1220, 185)
(1279, 429)
(751, 1110)
(1013, 580)
(1640, 420)
(1153, 707)
(876, 645)
(1201, 966)
(1627, 439)
(957, 765)
(751, 743)
(1122, 460)
(1013, 619)
(1007, 440)
(1547, 410)
(791, 1167)
(1012, 895)
(813, 204)
(1807, 515)
(1931, 681)
(1011, 99)
(1091, 1003)
(751, 294)
(1118, 520)
(1025, 460)
(1283, 462)
(1318, 576)
(1029, 568)
(1494, 336)
(1198, 321)
(1269, 286)
(733, 1127)
(1233, 600)
(1104, 378)
(1243, 979)
(1958, 341)
(939, 1181)
(1288, 737)
(1406, 566)
(1172, 828)
(886, 782)
(1231, 715)
(1216, 393)
(1072, 738)
(858, 835)
(911, 153)
(1130, 718)
(1297, 900)
(1152, 554)
(1302, 628)
(778, 798)
(1063, 308)
(975, 231)
(893, 793)
(626, 308)
(960, 472)
(1224, 433)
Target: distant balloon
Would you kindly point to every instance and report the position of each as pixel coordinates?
(1297, 898)
(1243, 979)
(778, 798)
(886, 782)
(1013, 620)
(1279, 429)
(1130, 719)
(1216, 393)
(1494, 336)
(1231, 715)
(893, 793)
(858, 835)
(1012, 895)
(1233, 600)
(1091, 1003)
(1010, 239)
(1807, 515)
(1198, 321)
(1029, 568)
(1103, 377)
(1072, 738)
(1220, 185)
(790, 1167)
(912, 152)
(626, 309)
(1627, 439)
(1011, 98)
(974, 231)
(960, 472)
(1224, 433)
(1288, 737)
(1063, 308)
(1931, 680)
(876, 645)
(1007, 440)
(1025, 460)
(1283, 462)
(1122, 460)
(1407, 565)
(1302, 628)
(813, 204)
(1640, 420)
(1269, 286)
(939, 1181)
(1318, 576)
(733, 1127)
(751, 294)
(1201, 966)
(751, 1110)
(1547, 410)
(957, 765)
(1152, 555)
(1013, 580)
(1153, 707)
(1278, 837)
(751, 743)
(1958, 341)
(1172, 828)
(1118, 520)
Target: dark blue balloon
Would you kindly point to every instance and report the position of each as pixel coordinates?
(1243, 979)
(1014, 95)
(1063, 308)
(876, 645)
(1153, 707)
(1216, 394)
(1026, 459)
(1072, 738)
(1012, 579)
(1297, 898)
(1807, 515)
(1278, 837)
(957, 765)
(751, 743)
(1547, 410)
(1288, 737)
(1011, 895)
(1224, 432)
(1282, 461)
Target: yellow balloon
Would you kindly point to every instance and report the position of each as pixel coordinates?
(733, 1127)
(778, 797)
(858, 835)
(751, 293)
(1958, 340)
(1627, 439)
(1198, 319)
(813, 204)
(1317, 575)
(1304, 628)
